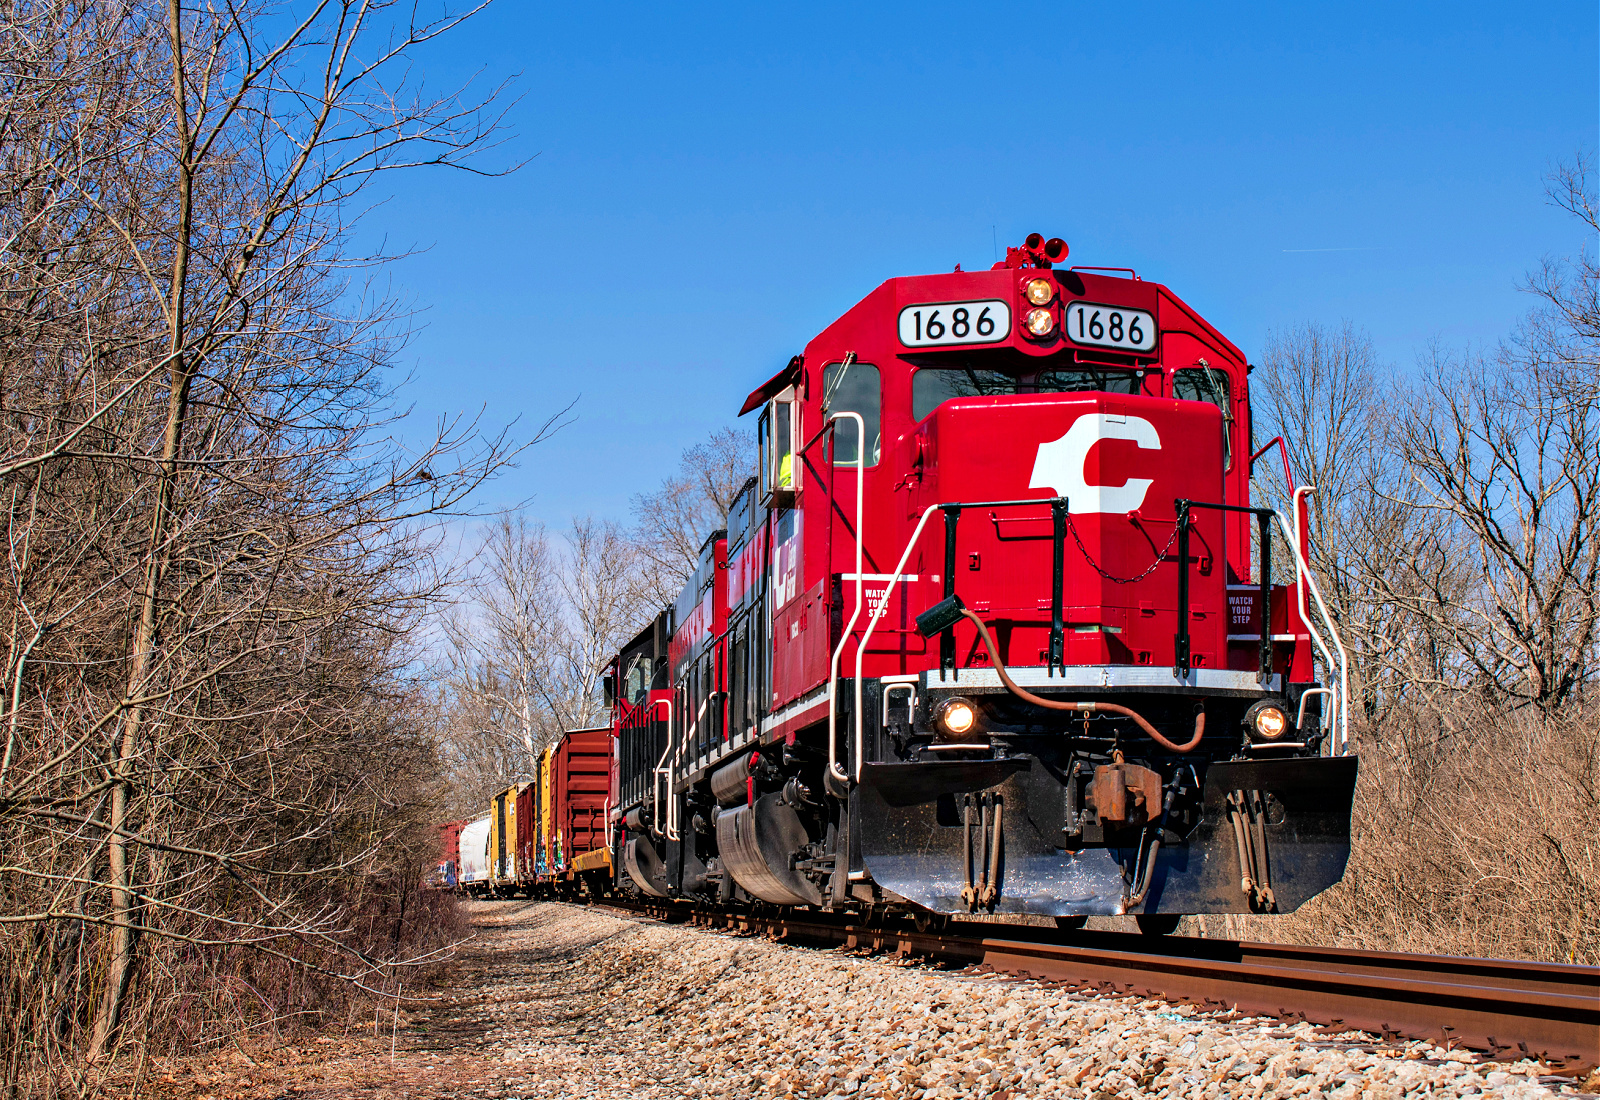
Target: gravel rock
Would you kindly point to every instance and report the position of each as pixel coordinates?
(576, 1002)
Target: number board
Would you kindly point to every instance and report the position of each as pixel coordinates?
(1104, 326)
(936, 323)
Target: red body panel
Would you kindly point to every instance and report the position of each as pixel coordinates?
(581, 791)
(992, 448)
(450, 841)
(527, 829)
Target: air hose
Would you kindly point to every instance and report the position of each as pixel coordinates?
(1086, 707)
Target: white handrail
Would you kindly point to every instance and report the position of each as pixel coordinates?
(1299, 541)
(1305, 697)
(1343, 662)
(689, 734)
(833, 664)
(872, 622)
(1302, 580)
(655, 780)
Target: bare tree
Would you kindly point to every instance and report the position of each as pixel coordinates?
(1467, 567)
(605, 606)
(671, 523)
(1323, 391)
(1567, 328)
(505, 640)
(528, 649)
(215, 561)
(1501, 451)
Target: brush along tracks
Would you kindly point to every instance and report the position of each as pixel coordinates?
(1544, 1010)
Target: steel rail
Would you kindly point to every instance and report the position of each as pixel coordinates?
(1505, 1008)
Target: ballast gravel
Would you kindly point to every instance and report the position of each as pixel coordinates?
(583, 1002)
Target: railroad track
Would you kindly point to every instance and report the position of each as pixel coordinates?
(1504, 1008)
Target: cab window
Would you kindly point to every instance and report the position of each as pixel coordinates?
(1201, 384)
(933, 386)
(636, 684)
(775, 438)
(1210, 385)
(853, 387)
(1088, 380)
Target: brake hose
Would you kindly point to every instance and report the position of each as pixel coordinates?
(1087, 707)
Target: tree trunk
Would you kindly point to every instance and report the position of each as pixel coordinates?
(120, 952)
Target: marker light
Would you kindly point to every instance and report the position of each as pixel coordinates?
(1270, 722)
(1039, 291)
(957, 716)
(1039, 322)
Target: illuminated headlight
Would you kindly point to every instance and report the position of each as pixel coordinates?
(1039, 322)
(1039, 291)
(957, 717)
(1267, 721)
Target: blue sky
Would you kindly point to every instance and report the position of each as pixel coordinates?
(708, 186)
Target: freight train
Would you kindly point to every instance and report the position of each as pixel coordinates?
(995, 625)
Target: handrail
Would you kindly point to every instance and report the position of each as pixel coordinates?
(1181, 666)
(833, 664)
(1283, 450)
(1302, 522)
(655, 781)
(872, 623)
(1305, 697)
(1343, 662)
(689, 733)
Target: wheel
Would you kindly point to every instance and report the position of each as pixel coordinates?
(1073, 924)
(1158, 924)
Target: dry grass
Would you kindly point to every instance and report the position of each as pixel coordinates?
(1475, 834)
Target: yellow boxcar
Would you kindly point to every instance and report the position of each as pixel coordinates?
(503, 837)
(547, 816)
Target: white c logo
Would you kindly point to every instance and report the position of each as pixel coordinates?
(1059, 464)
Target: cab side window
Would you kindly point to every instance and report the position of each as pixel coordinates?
(853, 387)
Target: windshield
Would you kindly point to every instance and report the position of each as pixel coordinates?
(933, 386)
(1201, 384)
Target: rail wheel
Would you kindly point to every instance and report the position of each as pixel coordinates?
(1072, 924)
(1158, 924)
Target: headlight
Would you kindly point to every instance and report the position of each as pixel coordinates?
(957, 717)
(1039, 291)
(1267, 721)
(1039, 322)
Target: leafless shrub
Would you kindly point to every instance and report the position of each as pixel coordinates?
(213, 791)
(1474, 835)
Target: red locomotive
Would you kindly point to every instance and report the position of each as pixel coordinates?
(995, 626)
